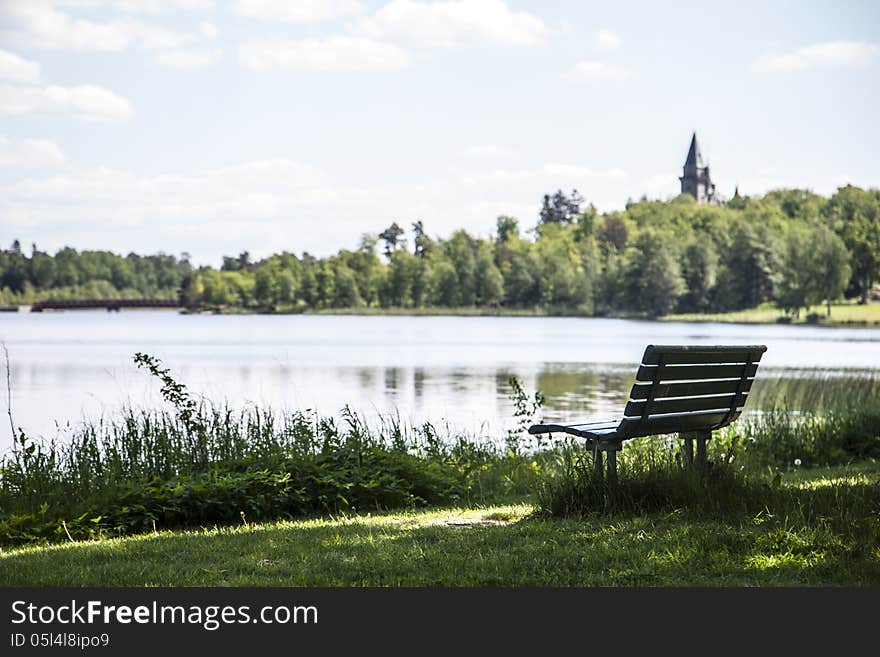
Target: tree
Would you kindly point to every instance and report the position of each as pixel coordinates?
(346, 293)
(563, 280)
(401, 279)
(559, 208)
(796, 203)
(797, 286)
(461, 249)
(833, 264)
(506, 228)
(652, 279)
(391, 237)
(190, 294)
(854, 214)
(489, 281)
(815, 268)
(613, 233)
(444, 286)
(421, 242)
(750, 268)
(698, 267)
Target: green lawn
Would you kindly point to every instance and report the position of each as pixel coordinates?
(494, 546)
(841, 313)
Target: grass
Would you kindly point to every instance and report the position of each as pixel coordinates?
(848, 313)
(842, 314)
(162, 469)
(491, 546)
(466, 311)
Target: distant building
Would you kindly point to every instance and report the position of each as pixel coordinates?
(696, 180)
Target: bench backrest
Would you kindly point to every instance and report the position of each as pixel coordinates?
(689, 388)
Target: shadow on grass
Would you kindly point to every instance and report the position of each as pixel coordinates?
(503, 547)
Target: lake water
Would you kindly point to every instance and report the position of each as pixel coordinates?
(70, 365)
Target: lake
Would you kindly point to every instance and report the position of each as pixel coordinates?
(67, 366)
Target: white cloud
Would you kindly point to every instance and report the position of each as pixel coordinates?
(85, 102)
(276, 178)
(828, 54)
(189, 60)
(18, 69)
(153, 37)
(157, 6)
(140, 6)
(454, 22)
(269, 205)
(605, 40)
(488, 150)
(36, 24)
(301, 11)
(39, 25)
(29, 153)
(596, 70)
(552, 173)
(209, 30)
(660, 186)
(333, 54)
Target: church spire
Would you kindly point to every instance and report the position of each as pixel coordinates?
(696, 180)
(694, 157)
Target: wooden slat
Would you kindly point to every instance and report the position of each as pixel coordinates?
(689, 388)
(584, 431)
(597, 426)
(687, 355)
(690, 372)
(685, 405)
(674, 424)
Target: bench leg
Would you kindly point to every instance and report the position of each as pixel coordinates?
(611, 455)
(702, 438)
(597, 460)
(687, 448)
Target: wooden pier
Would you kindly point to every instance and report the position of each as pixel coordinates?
(106, 304)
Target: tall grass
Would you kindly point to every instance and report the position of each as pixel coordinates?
(652, 480)
(815, 390)
(806, 422)
(147, 468)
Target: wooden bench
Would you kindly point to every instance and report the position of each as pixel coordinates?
(689, 390)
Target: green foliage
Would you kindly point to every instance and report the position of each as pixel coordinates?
(652, 480)
(652, 279)
(854, 214)
(699, 273)
(789, 247)
(815, 267)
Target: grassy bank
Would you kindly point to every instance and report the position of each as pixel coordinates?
(495, 545)
(842, 314)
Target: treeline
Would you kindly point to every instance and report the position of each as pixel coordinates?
(791, 247)
(72, 275)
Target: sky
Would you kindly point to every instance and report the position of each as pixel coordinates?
(216, 126)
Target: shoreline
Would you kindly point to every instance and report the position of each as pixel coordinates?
(752, 317)
(732, 318)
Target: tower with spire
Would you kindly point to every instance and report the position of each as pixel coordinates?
(696, 180)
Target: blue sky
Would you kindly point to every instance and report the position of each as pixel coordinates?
(211, 127)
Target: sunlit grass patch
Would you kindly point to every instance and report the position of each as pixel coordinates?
(842, 312)
(431, 548)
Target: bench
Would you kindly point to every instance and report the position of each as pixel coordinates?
(689, 390)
